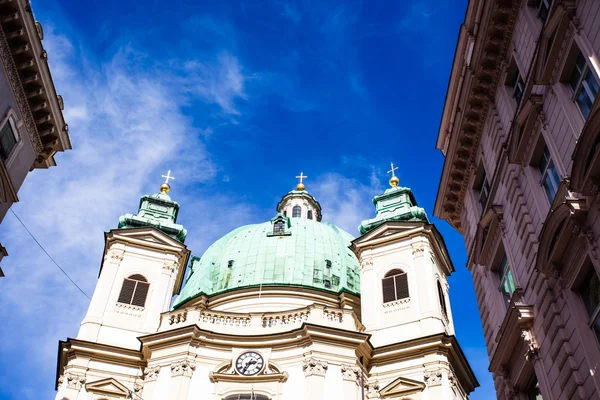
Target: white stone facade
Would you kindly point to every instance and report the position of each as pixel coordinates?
(315, 344)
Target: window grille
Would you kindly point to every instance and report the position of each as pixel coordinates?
(279, 228)
(296, 212)
(134, 290)
(395, 285)
(309, 214)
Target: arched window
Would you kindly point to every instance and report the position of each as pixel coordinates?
(296, 212)
(395, 285)
(134, 290)
(279, 227)
(309, 214)
(247, 396)
(442, 298)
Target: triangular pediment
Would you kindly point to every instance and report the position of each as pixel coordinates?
(401, 387)
(107, 386)
(389, 228)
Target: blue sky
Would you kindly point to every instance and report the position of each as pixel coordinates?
(236, 98)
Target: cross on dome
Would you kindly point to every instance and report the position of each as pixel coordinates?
(300, 185)
(165, 187)
(394, 181)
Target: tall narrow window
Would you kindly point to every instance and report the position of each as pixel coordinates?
(518, 87)
(296, 212)
(507, 283)
(395, 285)
(482, 187)
(8, 138)
(442, 299)
(543, 8)
(309, 214)
(549, 176)
(134, 290)
(583, 84)
(279, 228)
(590, 294)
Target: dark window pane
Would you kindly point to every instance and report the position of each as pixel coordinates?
(590, 292)
(388, 290)
(140, 293)
(296, 212)
(441, 298)
(401, 286)
(127, 291)
(7, 140)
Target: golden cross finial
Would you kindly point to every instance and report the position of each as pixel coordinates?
(394, 181)
(165, 187)
(300, 185)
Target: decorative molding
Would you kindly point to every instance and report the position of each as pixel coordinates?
(313, 366)
(433, 378)
(151, 373)
(390, 304)
(372, 389)
(418, 251)
(532, 345)
(19, 93)
(129, 309)
(350, 373)
(170, 267)
(368, 263)
(183, 367)
(74, 381)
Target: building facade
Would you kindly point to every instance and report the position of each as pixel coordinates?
(520, 134)
(32, 127)
(292, 308)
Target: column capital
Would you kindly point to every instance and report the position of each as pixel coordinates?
(151, 373)
(350, 373)
(183, 367)
(313, 366)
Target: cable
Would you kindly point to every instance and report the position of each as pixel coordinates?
(49, 256)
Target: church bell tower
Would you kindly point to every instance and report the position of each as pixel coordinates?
(404, 265)
(143, 266)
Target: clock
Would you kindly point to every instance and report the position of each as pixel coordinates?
(249, 363)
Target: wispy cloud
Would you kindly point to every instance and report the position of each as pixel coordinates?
(127, 125)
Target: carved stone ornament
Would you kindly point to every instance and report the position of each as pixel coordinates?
(433, 378)
(74, 381)
(313, 366)
(183, 367)
(137, 388)
(531, 343)
(151, 373)
(115, 256)
(350, 373)
(366, 264)
(169, 266)
(418, 251)
(372, 389)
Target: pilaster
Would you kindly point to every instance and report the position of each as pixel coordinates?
(314, 373)
(150, 377)
(181, 376)
(350, 379)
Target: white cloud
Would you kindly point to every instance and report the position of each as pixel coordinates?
(346, 202)
(127, 127)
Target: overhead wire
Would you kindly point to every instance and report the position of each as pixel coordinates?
(49, 256)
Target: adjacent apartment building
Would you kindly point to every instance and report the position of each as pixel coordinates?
(520, 133)
(32, 127)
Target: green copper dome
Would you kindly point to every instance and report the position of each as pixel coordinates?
(283, 251)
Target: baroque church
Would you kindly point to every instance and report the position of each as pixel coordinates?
(292, 308)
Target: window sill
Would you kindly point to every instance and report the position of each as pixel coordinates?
(398, 302)
(129, 309)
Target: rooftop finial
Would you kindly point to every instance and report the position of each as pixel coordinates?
(394, 181)
(165, 187)
(300, 185)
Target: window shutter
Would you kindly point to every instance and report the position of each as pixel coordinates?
(139, 296)
(388, 290)
(401, 286)
(126, 291)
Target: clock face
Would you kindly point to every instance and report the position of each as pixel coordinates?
(249, 363)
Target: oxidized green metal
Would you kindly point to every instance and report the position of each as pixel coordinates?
(157, 211)
(310, 254)
(396, 204)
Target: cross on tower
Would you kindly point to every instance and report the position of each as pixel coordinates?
(392, 170)
(301, 176)
(168, 176)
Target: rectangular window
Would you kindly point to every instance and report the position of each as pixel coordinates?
(583, 84)
(518, 86)
(549, 177)
(484, 192)
(507, 283)
(543, 8)
(8, 139)
(590, 294)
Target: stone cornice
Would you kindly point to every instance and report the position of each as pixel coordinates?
(479, 61)
(26, 65)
